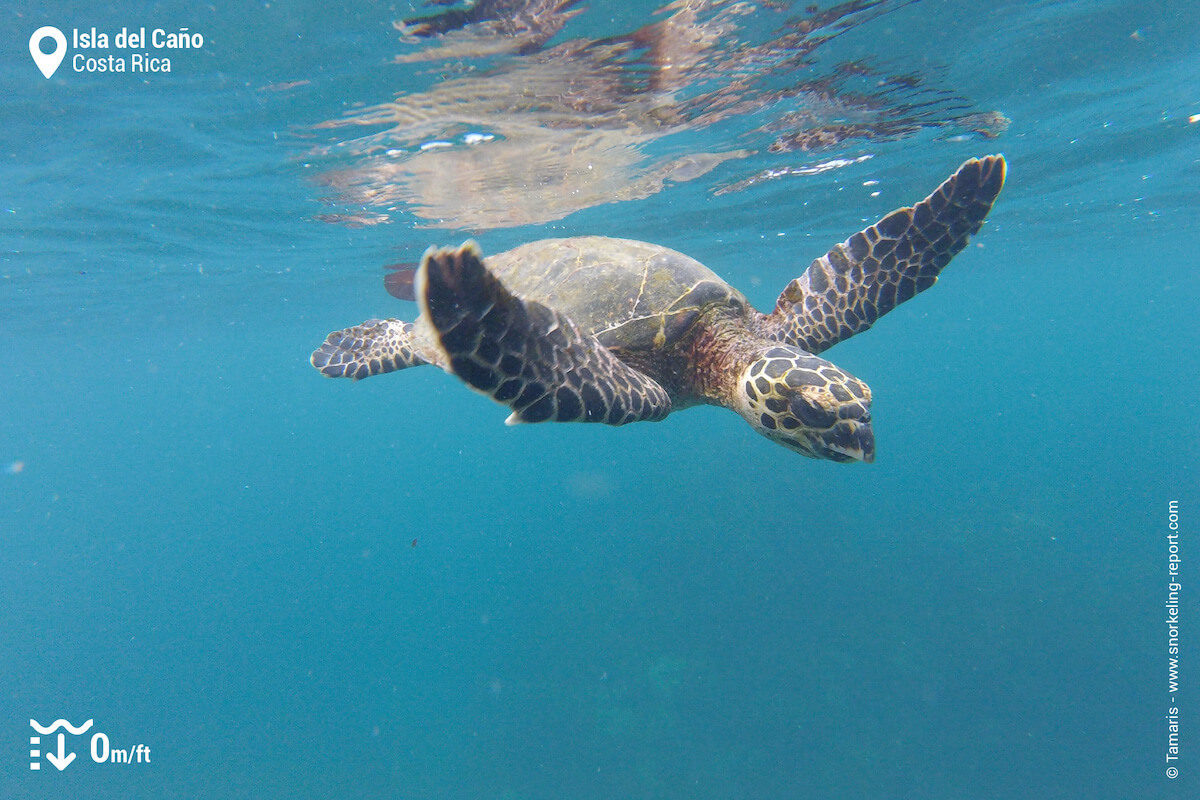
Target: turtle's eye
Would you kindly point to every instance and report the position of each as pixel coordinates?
(810, 412)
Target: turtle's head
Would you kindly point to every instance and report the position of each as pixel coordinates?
(806, 404)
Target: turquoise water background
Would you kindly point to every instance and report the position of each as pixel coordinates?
(292, 587)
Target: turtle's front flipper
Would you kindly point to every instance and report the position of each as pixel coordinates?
(844, 291)
(373, 348)
(524, 354)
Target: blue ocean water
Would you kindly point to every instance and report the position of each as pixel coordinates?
(286, 586)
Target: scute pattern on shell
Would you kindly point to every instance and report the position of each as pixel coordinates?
(631, 295)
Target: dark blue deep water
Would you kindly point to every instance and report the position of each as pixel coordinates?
(292, 587)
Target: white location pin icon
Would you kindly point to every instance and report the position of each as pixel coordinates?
(47, 62)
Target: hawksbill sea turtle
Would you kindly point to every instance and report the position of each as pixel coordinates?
(594, 329)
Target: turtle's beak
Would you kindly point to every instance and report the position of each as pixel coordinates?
(851, 439)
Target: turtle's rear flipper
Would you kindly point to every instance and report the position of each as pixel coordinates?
(844, 291)
(373, 348)
(526, 355)
(399, 280)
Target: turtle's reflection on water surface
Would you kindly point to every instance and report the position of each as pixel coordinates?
(538, 132)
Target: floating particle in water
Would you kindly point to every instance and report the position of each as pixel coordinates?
(14, 468)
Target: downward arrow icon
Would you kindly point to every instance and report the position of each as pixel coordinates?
(63, 759)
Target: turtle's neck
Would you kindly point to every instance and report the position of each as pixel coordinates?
(724, 345)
